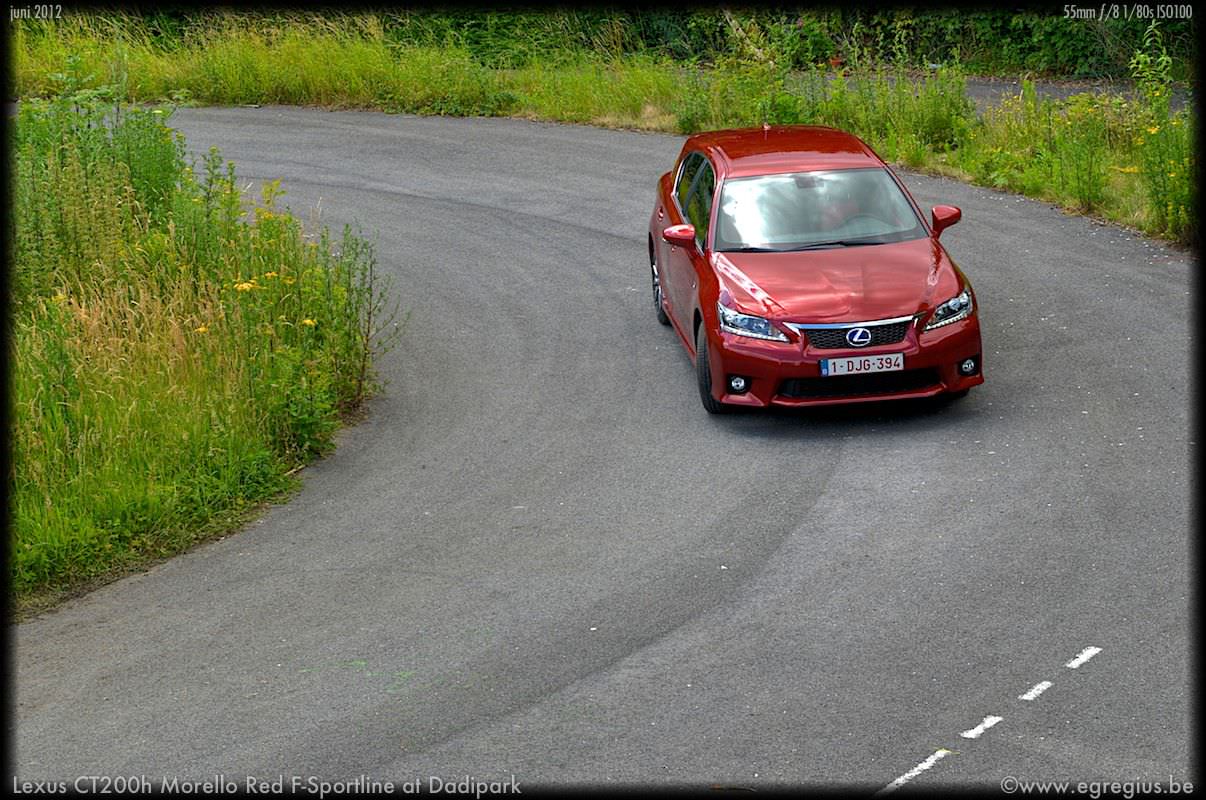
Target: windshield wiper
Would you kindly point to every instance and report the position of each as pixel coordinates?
(838, 243)
(814, 246)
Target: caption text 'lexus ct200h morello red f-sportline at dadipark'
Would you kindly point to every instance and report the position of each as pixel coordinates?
(797, 270)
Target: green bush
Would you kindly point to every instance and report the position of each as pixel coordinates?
(1006, 41)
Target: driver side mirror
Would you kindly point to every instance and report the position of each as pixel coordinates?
(680, 235)
(944, 217)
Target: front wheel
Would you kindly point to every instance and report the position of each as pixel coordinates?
(703, 372)
(657, 290)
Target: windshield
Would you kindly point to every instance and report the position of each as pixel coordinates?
(803, 210)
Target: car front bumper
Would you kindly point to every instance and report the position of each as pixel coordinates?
(789, 373)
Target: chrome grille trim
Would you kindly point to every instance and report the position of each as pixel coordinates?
(823, 326)
(832, 336)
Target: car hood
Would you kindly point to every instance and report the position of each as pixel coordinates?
(842, 284)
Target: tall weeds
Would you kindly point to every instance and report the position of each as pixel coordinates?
(174, 357)
(1164, 143)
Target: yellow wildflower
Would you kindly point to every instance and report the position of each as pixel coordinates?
(309, 323)
(245, 286)
(201, 329)
(1154, 129)
(269, 274)
(289, 281)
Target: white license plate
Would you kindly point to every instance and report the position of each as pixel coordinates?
(889, 362)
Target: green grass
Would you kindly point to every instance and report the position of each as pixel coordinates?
(175, 356)
(635, 93)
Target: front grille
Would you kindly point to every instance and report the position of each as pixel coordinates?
(854, 385)
(835, 338)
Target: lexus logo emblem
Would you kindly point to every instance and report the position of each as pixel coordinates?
(858, 337)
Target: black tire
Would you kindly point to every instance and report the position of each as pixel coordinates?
(703, 372)
(657, 289)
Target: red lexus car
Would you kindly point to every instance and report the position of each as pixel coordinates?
(797, 270)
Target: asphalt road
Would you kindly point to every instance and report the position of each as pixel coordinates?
(986, 91)
(540, 557)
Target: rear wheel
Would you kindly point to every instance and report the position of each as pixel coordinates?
(703, 372)
(657, 289)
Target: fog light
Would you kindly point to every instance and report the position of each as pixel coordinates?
(737, 384)
(967, 366)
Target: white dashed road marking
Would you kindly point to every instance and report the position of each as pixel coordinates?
(975, 732)
(1031, 694)
(938, 755)
(1082, 657)
(1035, 690)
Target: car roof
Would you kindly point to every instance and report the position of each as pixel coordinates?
(783, 148)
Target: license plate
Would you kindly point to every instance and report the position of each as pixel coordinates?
(889, 362)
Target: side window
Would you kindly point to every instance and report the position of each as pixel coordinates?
(699, 202)
(685, 176)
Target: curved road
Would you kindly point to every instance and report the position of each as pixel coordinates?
(539, 557)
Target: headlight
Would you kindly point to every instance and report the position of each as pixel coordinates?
(953, 310)
(748, 325)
